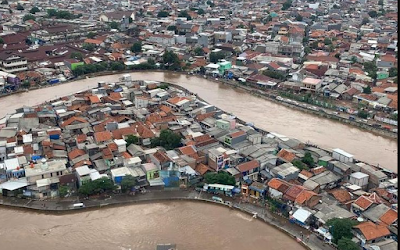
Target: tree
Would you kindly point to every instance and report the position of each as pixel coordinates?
(171, 60)
(274, 74)
(300, 165)
(373, 13)
(211, 4)
(353, 59)
(314, 45)
(29, 17)
(392, 72)
(63, 191)
(20, 7)
(128, 182)
(1, 41)
(362, 114)
(114, 25)
(88, 46)
(286, 5)
(220, 178)
(162, 13)
(327, 41)
(216, 56)
(371, 69)
(26, 84)
(172, 27)
(367, 90)
(91, 35)
(136, 47)
(365, 21)
(340, 228)
(97, 186)
(76, 55)
(184, 13)
(347, 244)
(131, 139)
(167, 139)
(308, 159)
(34, 10)
(117, 66)
(198, 51)
(201, 12)
(299, 18)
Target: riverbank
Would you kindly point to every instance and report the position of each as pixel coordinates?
(63, 206)
(253, 91)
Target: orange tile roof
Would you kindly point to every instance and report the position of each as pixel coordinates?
(306, 173)
(293, 192)
(372, 231)
(94, 99)
(248, 166)
(72, 120)
(177, 99)
(363, 202)
(341, 195)
(187, 150)
(304, 196)
(237, 134)
(202, 169)
(81, 138)
(126, 155)
(102, 136)
(389, 217)
(286, 155)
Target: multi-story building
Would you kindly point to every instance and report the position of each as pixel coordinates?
(12, 62)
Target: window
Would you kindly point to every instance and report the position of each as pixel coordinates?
(58, 173)
(51, 174)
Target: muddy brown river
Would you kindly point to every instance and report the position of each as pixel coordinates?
(267, 115)
(190, 225)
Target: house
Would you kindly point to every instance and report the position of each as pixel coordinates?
(250, 169)
(83, 175)
(285, 171)
(301, 217)
(277, 188)
(326, 179)
(307, 198)
(369, 232)
(257, 190)
(342, 155)
(235, 138)
(311, 84)
(359, 179)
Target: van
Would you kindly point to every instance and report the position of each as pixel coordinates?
(79, 205)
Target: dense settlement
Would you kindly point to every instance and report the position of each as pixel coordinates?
(133, 136)
(339, 56)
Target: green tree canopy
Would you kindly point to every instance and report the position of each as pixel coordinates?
(131, 139)
(97, 186)
(308, 159)
(373, 13)
(114, 25)
(29, 17)
(340, 228)
(163, 13)
(184, 13)
(211, 4)
(299, 18)
(371, 69)
(216, 56)
(63, 191)
(274, 74)
(201, 12)
(172, 27)
(136, 47)
(367, 90)
(167, 139)
(286, 5)
(392, 72)
(171, 60)
(327, 41)
(20, 7)
(118, 66)
(76, 55)
(34, 10)
(220, 178)
(300, 165)
(61, 14)
(91, 35)
(88, 46)
(128, 182)
(347, 244)
(198, 51)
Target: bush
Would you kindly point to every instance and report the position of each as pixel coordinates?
(34, 10)
(162, 13)
(128, 182)
(220, 178)
(29, 17)
(167, 139)
(97, 186)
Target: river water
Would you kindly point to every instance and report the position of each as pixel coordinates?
(267, 115)
(190, 225)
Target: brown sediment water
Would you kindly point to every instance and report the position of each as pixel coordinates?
(190, 225)
(365, 146)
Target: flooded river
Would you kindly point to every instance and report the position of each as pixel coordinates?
(264, 114)
(192, 226)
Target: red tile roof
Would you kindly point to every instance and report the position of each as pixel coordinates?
(389, 217)
(363, 202)
(286, 155)
(372, 231)
(293, 192)
(341, 195)
(244, 167)
(103, 136)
